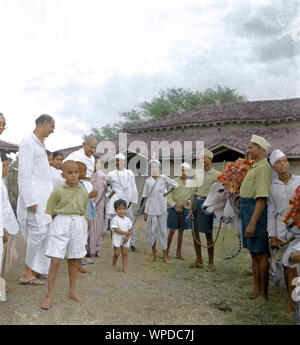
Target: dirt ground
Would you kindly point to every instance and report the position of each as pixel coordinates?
(151, 293)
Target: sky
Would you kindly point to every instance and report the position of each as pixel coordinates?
(84, 62)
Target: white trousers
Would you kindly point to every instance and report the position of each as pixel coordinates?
(36, 245)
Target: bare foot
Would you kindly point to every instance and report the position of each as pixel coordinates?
(263, 298)
(114, 268)
(180, 257)
(290, 308)
(7, 289)
(166, 260)
(152, 259)
(82, 270)
(80, 275)
(76, 298)
(47, 303)
(125, 270)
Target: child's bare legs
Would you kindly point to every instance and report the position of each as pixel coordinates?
(51, 282)
(166, 259)
(179, 245)
(115, 257)
(170, 238)
(153, 258)
(124, 258)
(73, 270)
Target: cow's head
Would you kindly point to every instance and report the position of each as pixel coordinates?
(216, 200)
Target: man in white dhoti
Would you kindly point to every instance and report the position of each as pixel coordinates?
(281, 191)
(156, 189)
(86, 154)
(121, 186)
(35, 187)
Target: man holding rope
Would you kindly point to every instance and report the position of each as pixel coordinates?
(203, 222)
(281, 191)
(253, 212)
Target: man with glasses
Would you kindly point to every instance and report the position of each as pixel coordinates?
(35, 187)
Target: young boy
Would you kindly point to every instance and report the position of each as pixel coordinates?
(122, 231)
(68, 206)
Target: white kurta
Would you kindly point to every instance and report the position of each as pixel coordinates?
(122, 182)
(35, 187)
(80, 156)
(57, 179)
(156, 208)
(1, 218)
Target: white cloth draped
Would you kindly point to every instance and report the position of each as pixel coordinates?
(35, 187)
(122, 182)
(80, 156)
(9, 219)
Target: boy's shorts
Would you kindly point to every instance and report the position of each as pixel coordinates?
(117, 240)
(67, 235)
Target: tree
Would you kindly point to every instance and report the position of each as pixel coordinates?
(171, 101)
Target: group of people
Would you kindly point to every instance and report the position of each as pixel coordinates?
(66, 203)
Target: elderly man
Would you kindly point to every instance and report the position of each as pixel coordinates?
(86, 154)
(35, 187)
(253, 212)
(203, 222)
(121, 186)
(2, 128)
(281, 191)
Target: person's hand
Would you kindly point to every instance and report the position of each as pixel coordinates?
(166, 194)
(112, 193)
(126, 239)
(250, 230)
(5, 237)
(53, 216)
(93, 194)
(145, 217)
(32, 208)
(178, 209)
(275, 242)
(191, 214)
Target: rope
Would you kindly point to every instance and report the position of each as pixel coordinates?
(280, 248)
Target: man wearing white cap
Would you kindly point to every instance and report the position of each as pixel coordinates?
(121, 186)
(179, 199)
(281, 191)
(203, 222)
(85, 155)
(253, 212)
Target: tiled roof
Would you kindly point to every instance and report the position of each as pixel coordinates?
(273, 110)
(66, 152)
(286, 139)
(4, 145)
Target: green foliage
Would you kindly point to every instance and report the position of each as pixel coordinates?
(171, 101)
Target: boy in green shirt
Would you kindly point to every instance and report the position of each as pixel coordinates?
(68, 206)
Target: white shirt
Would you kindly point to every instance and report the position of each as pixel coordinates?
(34, 179)
(57, 179)
(80, 156)
(122, 182)
(123, 224)
(278, 206)
(1, 208)
(9, 220)
(156, 203)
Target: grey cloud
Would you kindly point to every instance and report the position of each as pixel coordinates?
(279, 48)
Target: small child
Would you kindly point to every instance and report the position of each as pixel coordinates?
(56, 171)
(122, 230)
(84, 181)
(68, 206)
(10, 225)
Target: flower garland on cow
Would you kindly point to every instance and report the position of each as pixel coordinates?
(232, 179)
